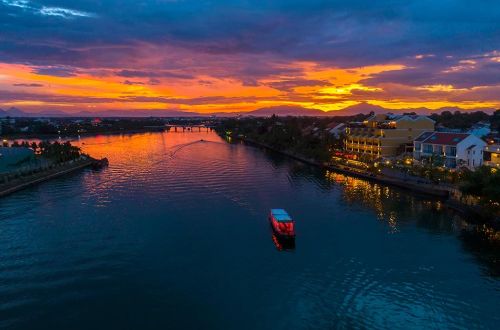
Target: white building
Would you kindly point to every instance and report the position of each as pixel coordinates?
(457, 149)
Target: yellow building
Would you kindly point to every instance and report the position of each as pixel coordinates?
(386, 135)
(492, 155)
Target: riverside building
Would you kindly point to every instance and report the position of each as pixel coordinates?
(455, 149)
(492, 155)
(386, 135)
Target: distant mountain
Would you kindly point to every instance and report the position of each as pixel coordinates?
(285, 111)
(13, 112)
(362, 107)
(136, 113)
(262, 112)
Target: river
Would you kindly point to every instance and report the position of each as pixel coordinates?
(174, 235)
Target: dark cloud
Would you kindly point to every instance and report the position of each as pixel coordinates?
(291, 84)
(129, 82)
(28, 85)
(192, 101)
(55, 71)
(152, 74)
(9, 96)
(460, 74)
(239, 38)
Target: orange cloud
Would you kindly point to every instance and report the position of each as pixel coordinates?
(304, 84)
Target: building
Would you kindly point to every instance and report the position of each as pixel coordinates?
(492, 155)
(456, 149)
(10, 158)
(338, 130)
(386, 135)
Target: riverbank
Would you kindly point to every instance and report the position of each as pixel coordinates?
(425, 189)
(36, 178)
(433, 191)
(25, 136)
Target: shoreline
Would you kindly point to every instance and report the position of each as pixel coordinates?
(432, 192)
(36, 178)
(73, 137)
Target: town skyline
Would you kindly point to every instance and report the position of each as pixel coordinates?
(221, 57)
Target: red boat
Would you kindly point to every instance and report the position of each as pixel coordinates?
(282, 223)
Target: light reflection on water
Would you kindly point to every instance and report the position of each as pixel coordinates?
(175, 234)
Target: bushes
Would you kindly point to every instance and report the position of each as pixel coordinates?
(484, 183)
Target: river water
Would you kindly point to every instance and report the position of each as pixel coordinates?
(174, 235)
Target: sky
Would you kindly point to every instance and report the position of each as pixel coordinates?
(242, 55)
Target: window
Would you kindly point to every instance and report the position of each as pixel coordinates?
(437, 149)
(428, 148)
(451, 151)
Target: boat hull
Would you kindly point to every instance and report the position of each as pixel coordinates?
(290, 235)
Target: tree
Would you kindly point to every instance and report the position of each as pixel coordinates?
(484, 183)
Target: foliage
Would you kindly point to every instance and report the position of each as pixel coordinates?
(305, 136)
(57, 152)
(484, 183)
(464, 120)
(75, 126)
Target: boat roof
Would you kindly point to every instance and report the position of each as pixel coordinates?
(281, 215)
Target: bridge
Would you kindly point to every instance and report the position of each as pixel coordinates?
(189, 128)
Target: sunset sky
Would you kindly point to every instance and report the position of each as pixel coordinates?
(220, 56)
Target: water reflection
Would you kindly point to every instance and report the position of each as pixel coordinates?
(281, 243)
(177, 227)
(396, 208)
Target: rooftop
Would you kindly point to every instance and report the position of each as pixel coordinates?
(443, 138)
(280, 215)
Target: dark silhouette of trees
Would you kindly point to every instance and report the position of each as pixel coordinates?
(462, 120)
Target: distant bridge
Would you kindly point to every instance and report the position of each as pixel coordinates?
(188, 128)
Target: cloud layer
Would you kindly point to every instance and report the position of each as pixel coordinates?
(240, 54)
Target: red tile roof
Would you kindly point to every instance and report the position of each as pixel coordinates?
(445, 138)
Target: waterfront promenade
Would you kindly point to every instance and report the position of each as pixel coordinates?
(55, 171)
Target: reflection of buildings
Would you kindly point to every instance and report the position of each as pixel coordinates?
(385, 135)
(389, 204)
(396, 208)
